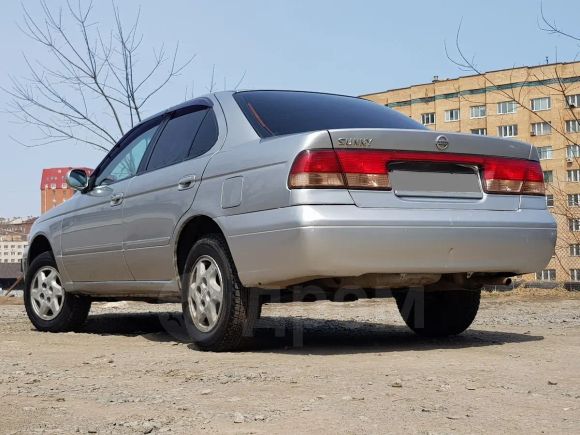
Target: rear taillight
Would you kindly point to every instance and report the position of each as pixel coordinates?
(513, 176)
(316, 169)
(330, 169)
(369, 169)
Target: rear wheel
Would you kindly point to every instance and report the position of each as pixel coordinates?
(438, 313)
(216, 307)
(48, 306)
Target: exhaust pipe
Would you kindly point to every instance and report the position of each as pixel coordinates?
(476, 282)
(499, 281)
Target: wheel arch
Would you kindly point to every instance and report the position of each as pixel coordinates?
(190, 232)
(39, 244)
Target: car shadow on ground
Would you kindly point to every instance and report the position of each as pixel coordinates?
(303, 335)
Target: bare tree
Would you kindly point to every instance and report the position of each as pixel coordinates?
(96, 86)
(566, 209)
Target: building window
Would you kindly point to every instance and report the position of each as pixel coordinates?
(549, 200)
(573, 175)
(477, 112)
(428, 118)
(573, 200)
(545, 153)
(541, 128)
(548, 176)
(575, 250)
(546, 275)
(573, 100)
(574, 225)
(507, 130)
(543, 103)
(479, 131)
(506, 107)
(572, 126)
(452, 115)
(572, 151)
(575, 274)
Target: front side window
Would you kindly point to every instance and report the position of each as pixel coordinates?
(477, 112)
(507, 130)
(543, 103)
(276, 113)
(452, 115)
(176, 139)
(541, 128)
(126, 163)
(506, 107)
(428, 118)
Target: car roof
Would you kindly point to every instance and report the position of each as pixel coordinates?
(208, 99)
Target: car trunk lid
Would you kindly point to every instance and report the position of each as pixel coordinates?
(430, 169)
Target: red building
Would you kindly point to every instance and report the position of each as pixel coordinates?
(53, 187)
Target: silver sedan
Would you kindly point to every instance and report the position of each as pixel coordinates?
(239, 198)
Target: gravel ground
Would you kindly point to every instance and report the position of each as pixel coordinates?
(321, 367)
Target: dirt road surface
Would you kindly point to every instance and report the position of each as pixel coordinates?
(358, 370)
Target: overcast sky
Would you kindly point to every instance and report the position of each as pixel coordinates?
(348, 47)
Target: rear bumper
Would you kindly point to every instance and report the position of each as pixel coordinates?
(307, 242)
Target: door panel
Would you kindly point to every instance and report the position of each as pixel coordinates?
(156, 200)
(92, 237)
(154, 203)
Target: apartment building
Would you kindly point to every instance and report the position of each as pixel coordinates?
(537, 104)
(11, 250)
(13, 238)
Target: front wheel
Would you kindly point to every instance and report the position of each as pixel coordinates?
(438, 313)
(47, 304)
(217, 309)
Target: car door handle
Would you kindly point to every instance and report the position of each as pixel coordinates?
(117, 199)
(186, 182)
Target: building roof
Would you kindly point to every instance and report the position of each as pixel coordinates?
(483, 73)
(10, 270)
(56, 177)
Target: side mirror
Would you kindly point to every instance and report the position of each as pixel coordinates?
(77, 179)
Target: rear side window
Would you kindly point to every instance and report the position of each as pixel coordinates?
(275, 113)
(206, 135)
(176, 139)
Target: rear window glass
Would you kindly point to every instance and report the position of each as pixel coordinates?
(275, 113)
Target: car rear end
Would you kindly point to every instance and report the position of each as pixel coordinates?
(376, 198)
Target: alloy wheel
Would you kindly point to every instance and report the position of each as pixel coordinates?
(46, 293)
(205, 294)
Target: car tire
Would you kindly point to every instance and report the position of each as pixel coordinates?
(218, 312)
(48, 306)
(438, 313)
